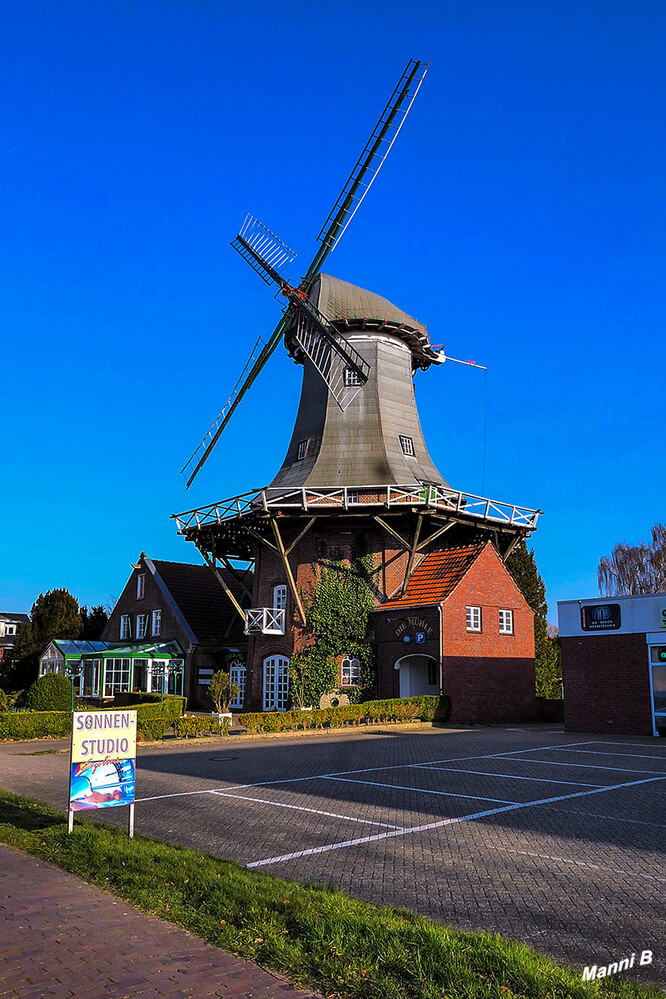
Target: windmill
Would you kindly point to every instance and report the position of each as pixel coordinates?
(311, 335)
(357, 474)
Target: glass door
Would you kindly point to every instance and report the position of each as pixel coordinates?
(658, 667)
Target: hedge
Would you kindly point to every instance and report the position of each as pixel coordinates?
(183, 728)
(153, 721)
(35, 724)
(394, 710)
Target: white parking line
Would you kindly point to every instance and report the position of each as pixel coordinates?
(639, 745)
(612, 871)
(596, 766)
(422, 790)
(302, 808)
(365, 770)
(485, 773)
(616, 818)
(436, 825)
(596, 752)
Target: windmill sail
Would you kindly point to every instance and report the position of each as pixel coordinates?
(342, 367)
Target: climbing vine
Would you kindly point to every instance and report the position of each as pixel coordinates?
(338, 619)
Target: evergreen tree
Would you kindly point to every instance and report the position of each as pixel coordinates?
(547, 658)
(92, 622)
(54, 614)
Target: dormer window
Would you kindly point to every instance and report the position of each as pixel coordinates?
(141, 586)
(302, 449)
(407, 445)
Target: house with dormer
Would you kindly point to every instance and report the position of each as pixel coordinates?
(175, 602)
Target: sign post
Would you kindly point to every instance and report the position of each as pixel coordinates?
(102, 762)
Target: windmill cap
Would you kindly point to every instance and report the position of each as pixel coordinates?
(347, 306)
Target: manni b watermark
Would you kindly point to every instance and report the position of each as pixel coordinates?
(635, 960)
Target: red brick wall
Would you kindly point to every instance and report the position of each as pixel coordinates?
(489, 676)
(606, 684)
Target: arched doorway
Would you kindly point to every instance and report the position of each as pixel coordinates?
(419, 675)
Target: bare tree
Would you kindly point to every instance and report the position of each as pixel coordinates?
(635, 569)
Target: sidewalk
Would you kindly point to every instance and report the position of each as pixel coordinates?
(63, 938)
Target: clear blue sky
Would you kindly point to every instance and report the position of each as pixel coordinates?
(520, 216)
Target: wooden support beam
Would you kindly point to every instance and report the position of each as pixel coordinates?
(234, 572)
(301, 535)
(220, 579)
(412, 553)
(287, 568)
(515, 541)
(387, 527)
(436, 534)
(260, 537)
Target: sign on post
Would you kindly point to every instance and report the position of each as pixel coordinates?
(102, 763)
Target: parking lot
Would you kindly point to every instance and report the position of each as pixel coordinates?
(552, 839)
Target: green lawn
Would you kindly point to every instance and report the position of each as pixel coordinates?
(317, 936)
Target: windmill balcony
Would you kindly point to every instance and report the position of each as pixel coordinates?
(265, 621)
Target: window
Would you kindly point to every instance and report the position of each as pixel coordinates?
(157, 623)
(237, 676)
(302, 450)
(10, 629)
(276, 683)
(473, 618)
(350, 672)
(432, 673)
(407, 445)
(125, 627)
(116, 676)
(352, 496)
(141, 625)
(506, 622)
(141, 586)
(280, 597)
(352, 378)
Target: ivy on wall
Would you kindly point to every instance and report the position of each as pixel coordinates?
(338, 614)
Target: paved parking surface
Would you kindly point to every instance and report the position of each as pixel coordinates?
(552, 839)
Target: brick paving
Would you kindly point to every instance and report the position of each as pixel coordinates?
(581, 878)
(62, 938)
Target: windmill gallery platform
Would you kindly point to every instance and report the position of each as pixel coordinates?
(448, 615)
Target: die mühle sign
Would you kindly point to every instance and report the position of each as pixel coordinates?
(102, 760)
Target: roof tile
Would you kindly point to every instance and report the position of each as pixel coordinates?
(436, 577)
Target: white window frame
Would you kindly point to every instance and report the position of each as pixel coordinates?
(505, 621)
(407, 445)
(237, 675)
(473, 619)
(120, 676)
(350, 672)
(10, 629)
(141, 626)
(280, 597)
(125, 627)
(141, 586)
(276, 683)
(302, 451)
(156, 622)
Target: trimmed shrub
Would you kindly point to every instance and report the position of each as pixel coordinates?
(184, 728)
(4, 701)
(131, 697)
(35, 724)
(52, 692)
(151, 729)
(431, 708)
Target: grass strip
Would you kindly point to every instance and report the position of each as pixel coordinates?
(317, 936)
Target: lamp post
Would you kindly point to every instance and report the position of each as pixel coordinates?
(73, 672)
(164, 671)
